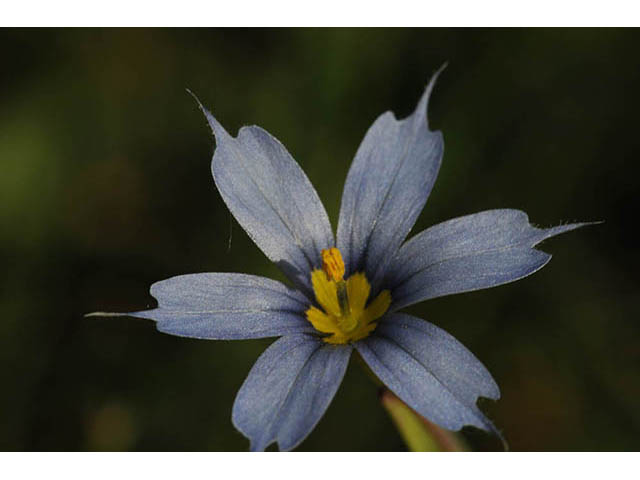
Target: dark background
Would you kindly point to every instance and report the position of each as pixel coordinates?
(105, 188)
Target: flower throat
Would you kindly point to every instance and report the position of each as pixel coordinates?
(345, 315)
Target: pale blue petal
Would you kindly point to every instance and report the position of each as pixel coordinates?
(227, 306)
(430, 371)
(272, 199)
(468, 253)
(388, 184)
(288, 390)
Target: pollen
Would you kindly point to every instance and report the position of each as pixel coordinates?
(332, 264)
(344, 315)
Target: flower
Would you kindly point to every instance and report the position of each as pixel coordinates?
(348, 292)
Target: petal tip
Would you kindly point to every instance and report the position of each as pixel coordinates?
(104, 314)
(141, 314)
(423, 104)
(437, 73)
(492, 429)
(553, 231)
(216, 127)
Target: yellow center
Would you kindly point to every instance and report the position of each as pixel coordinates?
(345, 314)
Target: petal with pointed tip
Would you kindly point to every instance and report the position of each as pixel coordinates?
(430, 371)
(468, 253)
(388, 184)
(272, 199)
(226, 306)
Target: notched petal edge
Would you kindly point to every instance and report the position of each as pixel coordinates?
(225, 306)
(271, 198)
(430, 371)
(389, 181)
(469, 253)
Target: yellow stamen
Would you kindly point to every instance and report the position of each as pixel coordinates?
(344, 314)
(332, 264)
(333, 267)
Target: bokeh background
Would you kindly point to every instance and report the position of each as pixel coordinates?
(105, 188)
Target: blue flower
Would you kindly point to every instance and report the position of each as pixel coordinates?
(348, 291)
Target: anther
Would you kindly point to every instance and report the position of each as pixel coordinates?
(332, 264)
(333, 267)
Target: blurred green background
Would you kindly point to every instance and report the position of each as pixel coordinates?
(106, 188)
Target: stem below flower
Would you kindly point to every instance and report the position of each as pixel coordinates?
(418, 433)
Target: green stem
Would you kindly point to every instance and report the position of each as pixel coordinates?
(418, 433)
